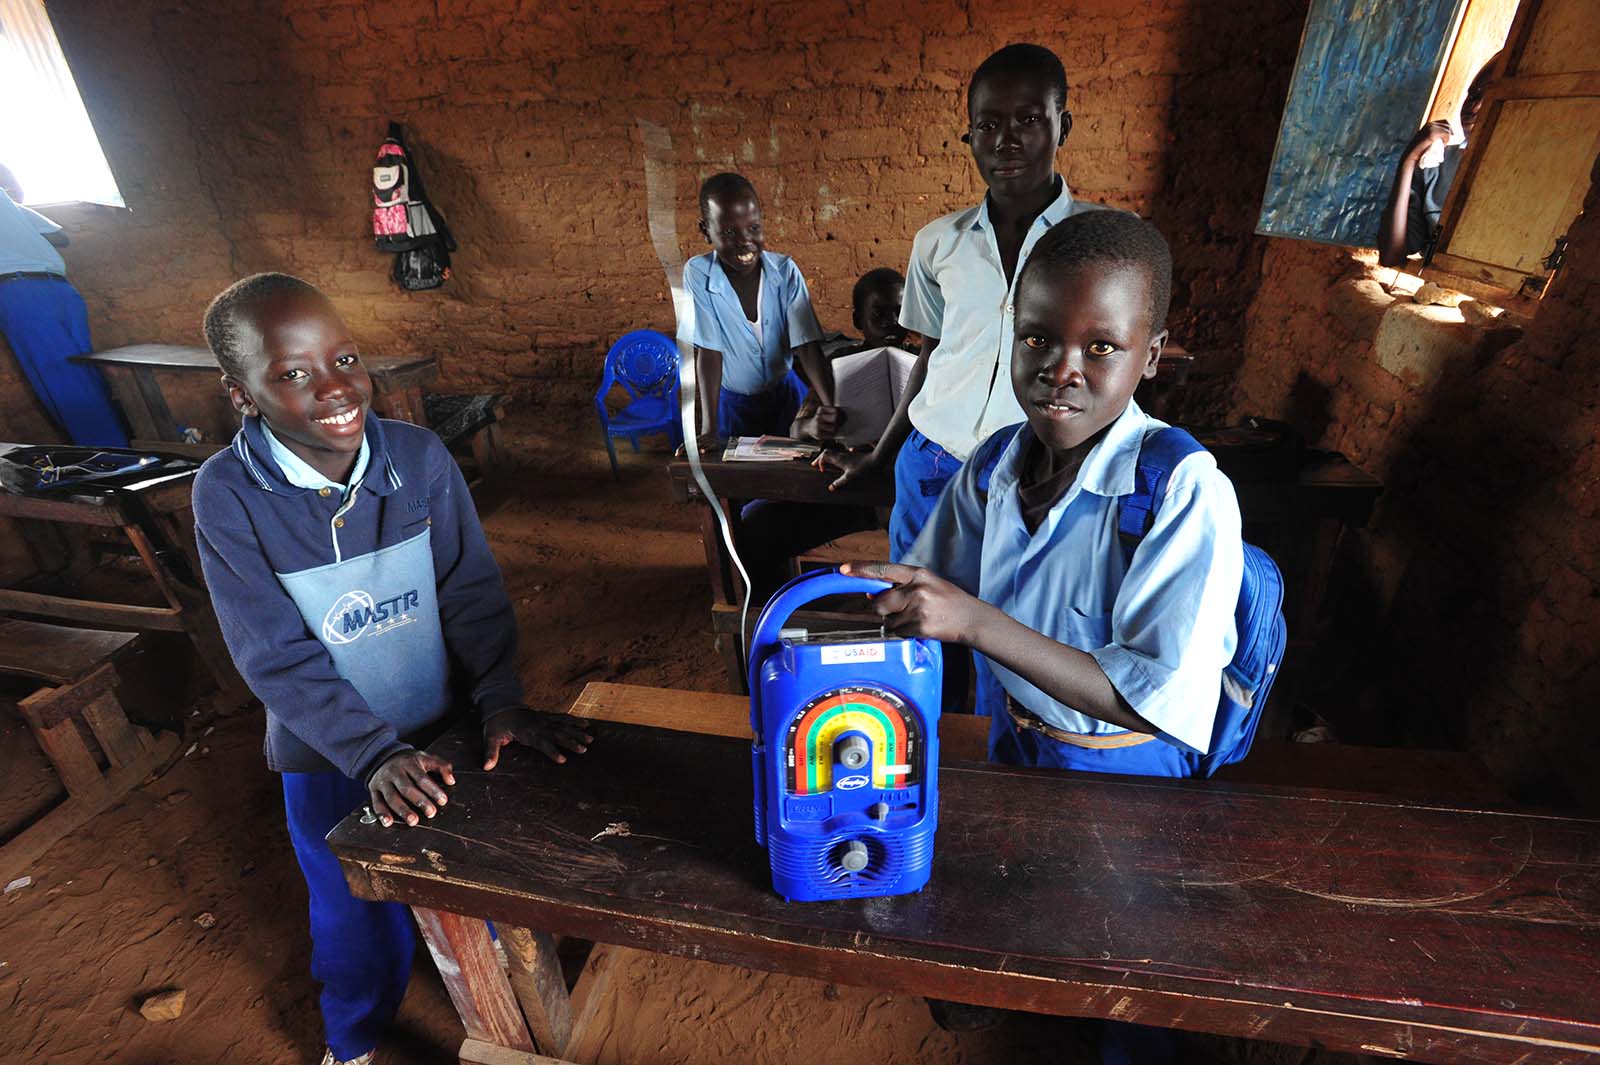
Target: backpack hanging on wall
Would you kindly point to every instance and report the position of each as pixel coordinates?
(405, 222)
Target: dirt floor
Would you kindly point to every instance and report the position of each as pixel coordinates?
(190, 882)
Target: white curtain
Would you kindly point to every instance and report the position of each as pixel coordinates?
(45, 134)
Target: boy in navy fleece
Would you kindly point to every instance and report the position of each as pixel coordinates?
(357, 593)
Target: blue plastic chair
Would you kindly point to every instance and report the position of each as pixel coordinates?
(645, 364)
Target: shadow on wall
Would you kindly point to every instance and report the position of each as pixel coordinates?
(1499, 601)
(1491, 522)
(1216, 153)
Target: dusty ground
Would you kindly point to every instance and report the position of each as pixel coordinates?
(111, 914)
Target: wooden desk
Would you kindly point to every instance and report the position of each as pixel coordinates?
(157, 519)
(134, 376)
(1356, 923)
(1298, 519)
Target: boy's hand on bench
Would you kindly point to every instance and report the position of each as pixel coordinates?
(922, 604)
(550, 733)
(403, 785)
(854, 466)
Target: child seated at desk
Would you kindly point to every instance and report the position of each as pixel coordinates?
(875, 310)
(359, 599)
(753, 319)
(771, 533)
(1091, 663)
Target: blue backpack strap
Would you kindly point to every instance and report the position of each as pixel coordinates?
(1159, 454)
(987, 456)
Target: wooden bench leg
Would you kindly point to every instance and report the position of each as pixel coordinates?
(479, 989)
(486, 449)
(133, 753)
(535, 974)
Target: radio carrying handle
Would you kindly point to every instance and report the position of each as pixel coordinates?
(806, 588)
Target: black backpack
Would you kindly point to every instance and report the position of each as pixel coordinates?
(405, 222)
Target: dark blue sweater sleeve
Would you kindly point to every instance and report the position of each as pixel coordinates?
(283, 663)
(480, 629)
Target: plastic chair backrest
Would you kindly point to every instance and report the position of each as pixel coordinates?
(644, 362)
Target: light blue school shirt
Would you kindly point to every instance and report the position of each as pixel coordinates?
(752, 362)
(23, 249)
(1161, 628)
(301, 474)
(956, 290)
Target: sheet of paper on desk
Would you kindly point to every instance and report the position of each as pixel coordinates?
(768, 449)
(869, 385)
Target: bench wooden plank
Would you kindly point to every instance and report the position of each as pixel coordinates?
(962, 737)
(1428, 776)
(92, 611)
(57, 654)
(1361, 925)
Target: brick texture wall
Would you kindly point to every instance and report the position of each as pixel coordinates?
(1473, 608)
(243, 134)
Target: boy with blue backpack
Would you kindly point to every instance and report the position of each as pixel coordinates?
(1092, 555)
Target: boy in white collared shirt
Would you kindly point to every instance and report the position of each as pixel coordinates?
(1096, 658)
(960, 285)
(753, 319)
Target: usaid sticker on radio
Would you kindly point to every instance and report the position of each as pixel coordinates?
(843, 654)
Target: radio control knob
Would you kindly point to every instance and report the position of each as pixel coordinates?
(854, 857)
(854, 752)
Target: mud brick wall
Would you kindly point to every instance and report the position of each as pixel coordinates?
(243, 133)
(1473, 605)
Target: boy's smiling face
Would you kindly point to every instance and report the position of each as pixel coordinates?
(1084, 341)
(879, 317)
(1016, 125)
(733, 226)
(305, 380)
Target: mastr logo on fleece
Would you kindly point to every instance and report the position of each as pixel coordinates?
(355, 613)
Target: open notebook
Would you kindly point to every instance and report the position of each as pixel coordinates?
(869, 385)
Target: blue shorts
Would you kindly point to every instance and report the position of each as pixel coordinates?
(921, 471)
(768, 413)
(1010, 745)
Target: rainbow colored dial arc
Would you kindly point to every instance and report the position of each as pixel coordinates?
(875, 713)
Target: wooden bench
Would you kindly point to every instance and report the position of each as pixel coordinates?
(78, 694)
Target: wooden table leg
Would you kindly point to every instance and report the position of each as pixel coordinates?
(1325, 537)
(718, 567)
(404, 404)
(194, 614)
(465, 956)
(539, 986)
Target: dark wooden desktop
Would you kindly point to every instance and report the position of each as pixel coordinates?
(135, 375)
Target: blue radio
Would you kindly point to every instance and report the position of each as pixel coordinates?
(846, 750)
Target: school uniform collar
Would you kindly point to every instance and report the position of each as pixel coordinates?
(721, 287)
(253, 449)
(1108, 469)
(717, 279)
(300, 473)
(1055, 211)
